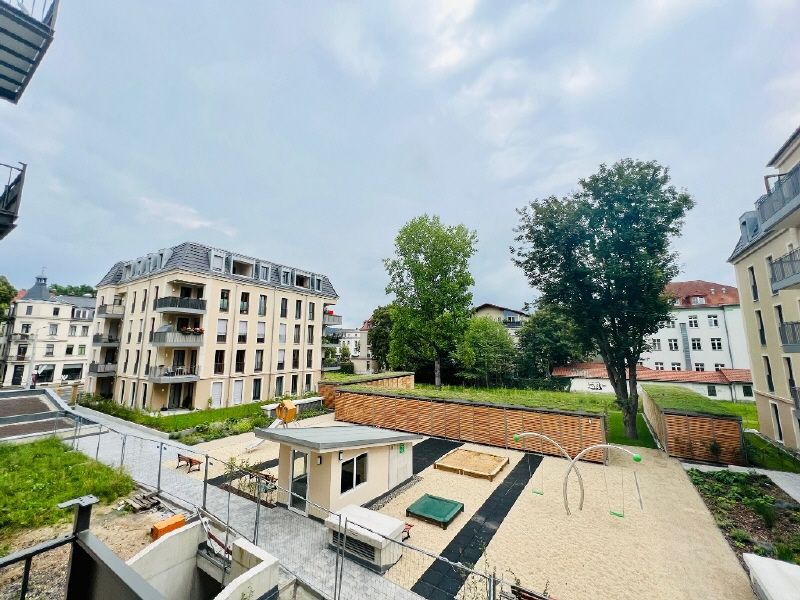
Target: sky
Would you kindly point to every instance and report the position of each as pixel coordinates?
(308, 133)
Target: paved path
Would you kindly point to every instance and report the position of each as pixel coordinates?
(788, 482)
(429, 451)
(299, 543)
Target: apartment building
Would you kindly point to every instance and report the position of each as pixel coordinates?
(47, 336)
(767, 264)
(511, 318)
(364, 364)
(193, 326)
(705, 331)
(354, 340)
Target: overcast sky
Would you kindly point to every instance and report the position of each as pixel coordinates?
(308, 133)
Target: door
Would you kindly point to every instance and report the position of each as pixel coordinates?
(186, 292)
(216, 394)
(238, 387)
(174, 395)
(299, 482)
(178, 360)
(16, 377)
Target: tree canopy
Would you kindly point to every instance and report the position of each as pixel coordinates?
(7, 293)
(603, 255)
(72, 290)
(486, 354)
(380, 335)
(430, 279)
(549, 338)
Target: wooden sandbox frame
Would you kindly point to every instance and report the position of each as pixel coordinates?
(458, 459)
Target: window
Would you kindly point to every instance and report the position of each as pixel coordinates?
(136, 363)
(144, 395)
(747, 391)
(696, 345)
(295, 359)
(244, 304)
(282, 333)
(713, 321)
(700, 367)
(45, 373)
(298, 309)
(712, 391)
(286, 277)
(284, 307)
(82, 350)
(309, 359)
(217, 263)
(671, 323)
(147, 364)
(753, 284)
(281, 360)
(133, 303)
(259, 365)
(676, 366)
(219, 362)
(716, 343)
(768, 373)
(222, 330)
(130, 329)
(354, 473)
(29, 309)
(693, 321)
(49, 349)
(310, 338)
(310, 311)
(718, 366)
(240, 356)
(122, 391)
(125, 364)
(673, 344)
(22, 350)
(144, 299)
(697, 300)
(659, 366)
(56, 310)
(69, 350)
(256, 389)
(242, 337)
(262, 305)
(224, 300)
(776, 422)
(26, 328)
(656, 344)
(53, 329)
(297, 334)
(279, 386)
(294, 385)
(261, 332)
(265, 272)
(141, 331)
(85, 330)
(242, 268)
(73, 331)
(307, 387)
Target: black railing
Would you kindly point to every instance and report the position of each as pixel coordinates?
(102, 367)
(785, 190)
(99, 338)
(178, 303)
(115, 309)
(173, 371)
(786, 266)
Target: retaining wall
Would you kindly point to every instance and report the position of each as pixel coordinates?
(397, 381)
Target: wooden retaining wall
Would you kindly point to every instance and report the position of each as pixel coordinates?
(489, 424)
(691, 435)
(397, 381)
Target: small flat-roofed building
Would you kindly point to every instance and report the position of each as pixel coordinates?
(331, 467)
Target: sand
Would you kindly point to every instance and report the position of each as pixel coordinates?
(478, 463)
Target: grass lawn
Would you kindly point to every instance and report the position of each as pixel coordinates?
(337, 377)
(678, 398)
(763, 454)
(35, 477)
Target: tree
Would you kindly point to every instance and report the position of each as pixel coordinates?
(487, 352)
(549, 338)
(345, 353)
(72, 290)
(429, 276)
(603, 255)
(7, 294)
(380, 329)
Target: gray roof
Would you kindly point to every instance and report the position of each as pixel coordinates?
(195, 257)
(333, 438)
(39, 291)
(79, 301)
(784, 148)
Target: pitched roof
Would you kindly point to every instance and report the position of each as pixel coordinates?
(79, 301)
(598, 371)
(715, 294)
(489, 305)
(39, 291)
(779, 154)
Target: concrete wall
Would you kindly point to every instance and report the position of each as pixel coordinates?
(733, 392)
(254, 572)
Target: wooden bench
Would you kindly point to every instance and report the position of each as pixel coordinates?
(522, 594)
(189, 461)
(406, 532)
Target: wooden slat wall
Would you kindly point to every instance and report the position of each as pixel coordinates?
(489, 425)
(398, 382)
(656, 419)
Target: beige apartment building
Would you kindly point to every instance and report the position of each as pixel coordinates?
(46, 338)
(511, 318)
(767, 263)
(195, 327)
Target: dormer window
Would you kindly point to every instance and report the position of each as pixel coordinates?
(318, 284)
(217, 263)
(303, 281)
(698, 300)
(265, 272)
(242, 268)
(286, 277)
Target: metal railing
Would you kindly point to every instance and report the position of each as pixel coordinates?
(163, 371)
(790, 333)
(99, 338)
(176, 338)
(786, 266)
(785, 190)
(179, 303)
(116, 310)
(102, 367)
(328, 319)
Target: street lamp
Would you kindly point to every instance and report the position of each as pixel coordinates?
(34, 337)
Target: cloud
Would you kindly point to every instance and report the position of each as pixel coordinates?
(345, 38)
(181, 215)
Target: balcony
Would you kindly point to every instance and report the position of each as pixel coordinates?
(184, 306)
(790, 336)
(786, 271)
(102, 369)
(110, 311)
(795, 392)
(177, 339)
(782, 200)
(11, 196)
(174, 374)
(330, 319)
(105, 341)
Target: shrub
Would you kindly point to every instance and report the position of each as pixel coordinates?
(348, 368)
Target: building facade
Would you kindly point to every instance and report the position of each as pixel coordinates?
(195, 327)
(47, 336)
(705, 332)
(767, 264)
(511, 318)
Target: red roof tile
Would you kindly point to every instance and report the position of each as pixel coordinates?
(598, 371)
(715, 294)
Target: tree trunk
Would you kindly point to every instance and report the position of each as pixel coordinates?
(437, 372)
(629, 420)
(629, 415)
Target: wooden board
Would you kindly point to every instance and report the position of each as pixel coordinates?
(472, 463)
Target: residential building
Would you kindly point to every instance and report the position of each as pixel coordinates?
(355, 340)
(50, 334)
(724, 384)
(705, 331)
(364, 364)
(512, 319)
(193, 326)
(767, 264)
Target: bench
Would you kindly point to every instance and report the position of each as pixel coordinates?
(522, 594)
(189, 461)
(406, 532)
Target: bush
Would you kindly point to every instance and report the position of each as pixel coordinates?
(347, 368)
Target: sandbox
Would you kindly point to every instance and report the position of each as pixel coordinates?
(472, 463)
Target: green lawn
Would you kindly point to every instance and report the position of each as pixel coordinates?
(678, 398)
(763, 454)
(35, 477)
(337, 377)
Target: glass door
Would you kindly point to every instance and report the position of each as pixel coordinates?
(299, 482)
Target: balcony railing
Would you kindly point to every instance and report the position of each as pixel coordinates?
(102, 368)
(111, 311)
(328, 319)
(785, 190)
(176, 338)
(790, 336)
(176, 304)
(786, 270)
(162, 372)
(795, 392)
(99, 339)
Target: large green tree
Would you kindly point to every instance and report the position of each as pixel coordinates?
(7, 293)
(72, 290)
(603, 255)
(430, 279)
(380, 332)
(487, 354)
(549, 338)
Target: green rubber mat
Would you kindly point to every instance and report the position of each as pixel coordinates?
(434, 509)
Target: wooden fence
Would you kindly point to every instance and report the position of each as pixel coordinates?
(489, 424)
(695, 436)
(400, 380)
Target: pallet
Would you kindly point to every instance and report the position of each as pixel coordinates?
(141, 502)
